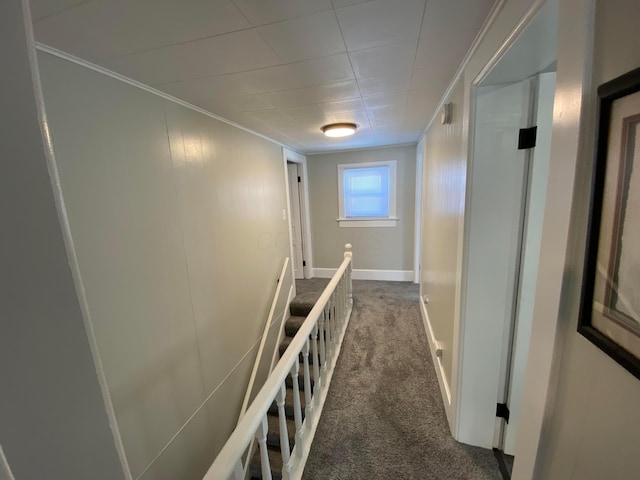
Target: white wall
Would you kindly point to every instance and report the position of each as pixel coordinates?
(447, 154)
(590, 415)
(53, 420)
(444, 175)
(593, 426)
(177, 223)
(379, 248)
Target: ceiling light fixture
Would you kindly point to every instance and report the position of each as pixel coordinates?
(339, 129)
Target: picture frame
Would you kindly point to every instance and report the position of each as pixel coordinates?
(610, 301)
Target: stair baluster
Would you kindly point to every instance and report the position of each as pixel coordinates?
(343, 302)
(261, 436)
(337, 309)
(323, 350)
(316, 370)
(348, 253)
(307, 379)
(327, 331)
(332, 315)
(343, 291)
(285, 448)
(297, 409)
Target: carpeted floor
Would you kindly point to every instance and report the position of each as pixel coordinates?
(384, 417)
(308, 291)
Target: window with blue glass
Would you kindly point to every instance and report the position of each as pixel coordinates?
(367, 194)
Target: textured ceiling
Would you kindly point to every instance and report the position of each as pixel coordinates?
(282, 68)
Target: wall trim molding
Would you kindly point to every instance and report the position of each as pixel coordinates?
(366, 274)
(65, 229)
(417, 221)
(97, 68)
(445, 390)
(389, 222)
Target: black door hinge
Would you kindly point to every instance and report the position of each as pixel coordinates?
(304, 263)
(527, 138)
(502, 411)
(299, 179)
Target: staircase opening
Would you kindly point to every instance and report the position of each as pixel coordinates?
(299, 308)
(282, 418)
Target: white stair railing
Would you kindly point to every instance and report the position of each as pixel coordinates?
(265, 334)
(320, 336)
(273, 355)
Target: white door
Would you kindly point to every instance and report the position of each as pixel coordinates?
(500, 178)
(512, 186)
(296, 219)
(532, 236)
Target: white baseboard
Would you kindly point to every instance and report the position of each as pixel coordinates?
(364, 274)
(445, 391)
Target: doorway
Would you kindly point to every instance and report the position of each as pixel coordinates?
(515, 175)
(298, 214)
(297, 239)
(510, 131)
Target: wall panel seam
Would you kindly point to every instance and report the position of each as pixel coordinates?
(193, 415)
(182, 222)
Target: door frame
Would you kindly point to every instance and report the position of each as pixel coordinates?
(461, 342)
(417, 225)
(289, 156)
(294, 172)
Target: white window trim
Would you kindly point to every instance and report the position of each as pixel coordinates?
(386, 221)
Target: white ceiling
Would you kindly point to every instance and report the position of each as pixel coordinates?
(533, 52)
(282, 68)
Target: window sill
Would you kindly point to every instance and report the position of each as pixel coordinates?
(368, 222)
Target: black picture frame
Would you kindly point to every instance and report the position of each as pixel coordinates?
(602, 321)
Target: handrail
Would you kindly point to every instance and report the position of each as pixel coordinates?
(265, 334)
(335, 298)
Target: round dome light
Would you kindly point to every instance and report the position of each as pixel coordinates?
(339, 129)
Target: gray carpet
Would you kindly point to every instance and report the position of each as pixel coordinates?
(308, 291)
(384, 417)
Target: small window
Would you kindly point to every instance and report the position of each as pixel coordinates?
(367, 194)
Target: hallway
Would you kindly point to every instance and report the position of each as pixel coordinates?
(384, 417)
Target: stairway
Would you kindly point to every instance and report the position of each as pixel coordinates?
(299, 309)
